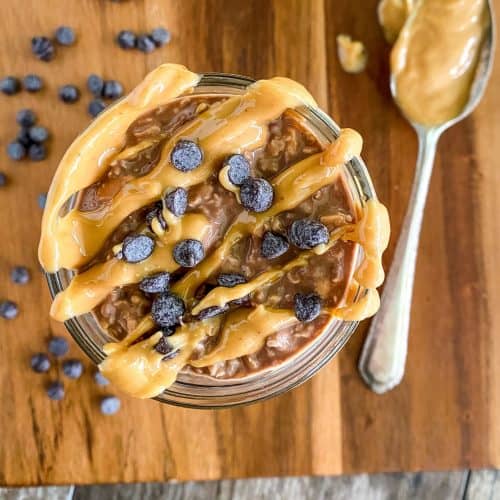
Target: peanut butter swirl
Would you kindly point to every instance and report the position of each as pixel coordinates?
(238, 124)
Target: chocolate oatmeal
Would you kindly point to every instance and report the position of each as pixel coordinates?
(217, 236)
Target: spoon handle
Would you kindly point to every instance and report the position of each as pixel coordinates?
(382, 361)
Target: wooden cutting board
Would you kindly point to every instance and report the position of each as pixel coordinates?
(444, 415)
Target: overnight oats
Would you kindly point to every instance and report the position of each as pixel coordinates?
(201, 236)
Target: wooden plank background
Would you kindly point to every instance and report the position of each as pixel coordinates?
(446, 413)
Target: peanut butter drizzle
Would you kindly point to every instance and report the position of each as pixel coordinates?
(90, 154)
(291, 187)
(434, 59)
(228, 127)
(91, 287)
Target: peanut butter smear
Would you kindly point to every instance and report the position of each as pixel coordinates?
(72, 238)
(434, 59)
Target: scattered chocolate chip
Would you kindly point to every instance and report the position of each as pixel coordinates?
(26, 118)
(186, 155)
(58, 346)
(137, 247)
(273, 245)
(166, 309)
(42, 48)
(160, 36)
(55, 391)
(42, 200)
(8, 309)
(239, 169)
(307, 306)
(96, 107)
(256, 194)
(126, 39)
(38, 134)
(188, 253)
(212, 311)
(20, 275)
(112, 89)
(176, 201)
(16, 151)
(69, 94)
(307, 233)
(72, 368)
(10, 85)
(24, 137)
(230, 280)
(40, 363)
(163, 346)
(32, 83)
(37, 152)
(110, 405)
(157, 213)
(100, 379)
(156, 283)
(145, 44)
(65, 35)
(3, 179)
(95, 84)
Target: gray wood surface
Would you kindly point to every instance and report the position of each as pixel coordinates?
(459, 485)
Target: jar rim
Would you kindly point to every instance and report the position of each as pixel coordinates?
(301, 365)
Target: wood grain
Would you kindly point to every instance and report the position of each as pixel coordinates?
(445, 413)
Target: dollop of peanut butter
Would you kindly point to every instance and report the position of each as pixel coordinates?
(435, 55)
(352, 54)
(235, 125)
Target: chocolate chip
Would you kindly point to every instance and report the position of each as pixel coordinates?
(145, 44)
(160, 36)
(3, 179)
(100, 379)
(32, 83)
(112, 89)
(20, 275)
(307, 307)
(239, 169)
(65, 35)
(212, 311)
(256, 194)
(58, 346)
(72, 368)
(10, 85)
(37, 152)
(95, 84)
(176, 201)
(156, 283)
(40, 363)
(95, 107)
(306, 233)
(163, 346)
(188, 253)
(229, 280)
(55, 391)
(156, 213)
(186, 155)
(167, 309)
(16, 151)
(26, 118)
(42, 48)
(126, 39)
(8, 309)
(273, 245)
(137, 247)
(109, 405)
(38, 134)
(42, 200)
(69, 94)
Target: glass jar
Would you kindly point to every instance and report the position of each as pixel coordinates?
(196, 391)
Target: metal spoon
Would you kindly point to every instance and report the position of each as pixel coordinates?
(383, 358)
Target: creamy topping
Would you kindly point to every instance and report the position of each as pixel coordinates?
(392, 15)
(435, 56)
(236, 125)
(352, 54)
